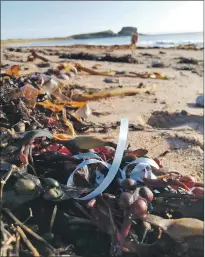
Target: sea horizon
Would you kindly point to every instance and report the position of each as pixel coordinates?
(146, 34)
(145, 40)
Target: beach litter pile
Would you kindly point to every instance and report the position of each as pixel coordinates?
(70, 195)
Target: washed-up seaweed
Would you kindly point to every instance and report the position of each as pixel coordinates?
(144, 211)
(154, 75)
(103, 47)
(107, 57)
(111, 93)
(35, 56)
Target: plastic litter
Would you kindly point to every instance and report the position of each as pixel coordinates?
(42, 165)
(83, 112)
(49, 85)
(30, 93)
(113, 169)
(142, 169)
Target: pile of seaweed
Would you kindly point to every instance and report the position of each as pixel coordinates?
(93, 57)
(63, 194)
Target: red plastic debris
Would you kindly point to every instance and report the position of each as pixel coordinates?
(158, 162)
(56, 148)
(104, 152)
(199, 191)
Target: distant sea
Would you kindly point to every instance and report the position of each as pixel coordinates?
(160, 40)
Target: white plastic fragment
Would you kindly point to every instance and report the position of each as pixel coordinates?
(83, 112)
(142, 169)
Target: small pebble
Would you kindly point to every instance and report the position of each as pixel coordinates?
(71, 74)
(111, 80)
(158, 64)
(63, 76)
(200, 101)
(140, 85)
(184, 113)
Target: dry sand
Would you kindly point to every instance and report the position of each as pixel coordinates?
(182, 135)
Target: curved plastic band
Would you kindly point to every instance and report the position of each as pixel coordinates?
(114, 167)
(81, 165)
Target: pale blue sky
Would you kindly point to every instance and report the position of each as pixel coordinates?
(31, 19)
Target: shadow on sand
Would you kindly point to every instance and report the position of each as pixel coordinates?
(165, 120)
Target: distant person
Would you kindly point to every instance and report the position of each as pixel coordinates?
(134, 40)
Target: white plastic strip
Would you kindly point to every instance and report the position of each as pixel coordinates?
(81, 165)
(142, 164)
(122, 142)
(86, 156)
(143, 160)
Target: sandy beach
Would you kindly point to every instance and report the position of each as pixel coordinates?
(180, 133)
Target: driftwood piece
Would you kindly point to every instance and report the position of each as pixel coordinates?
(28, 230)
(27, 242)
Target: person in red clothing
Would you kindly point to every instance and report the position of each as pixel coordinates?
(134, 39)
